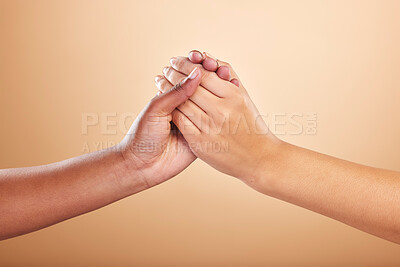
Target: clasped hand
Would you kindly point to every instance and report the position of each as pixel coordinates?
(201, 110)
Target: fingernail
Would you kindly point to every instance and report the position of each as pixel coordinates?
(196, 51)
(172, 61)
(165, 70)
(209, 55)
(157, 79)
(194, 73)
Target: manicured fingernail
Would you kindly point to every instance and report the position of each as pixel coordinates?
(172, 61)
(165, 70)
(196, 51)
(157, 79)
(194, 73)
(209, 55)
(235, 82)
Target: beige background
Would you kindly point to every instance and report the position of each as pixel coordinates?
(59, 59)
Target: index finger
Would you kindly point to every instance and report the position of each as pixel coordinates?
(208, 61)
(210, 80)
(196, 57)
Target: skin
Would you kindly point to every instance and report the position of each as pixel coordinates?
(364, 197)
(151, 153)
(218, 112)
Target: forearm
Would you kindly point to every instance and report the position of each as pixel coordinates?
(36, 197)
(363, 197)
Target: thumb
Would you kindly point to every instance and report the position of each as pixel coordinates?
(165, 103)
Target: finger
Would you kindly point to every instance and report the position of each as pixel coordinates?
(163, 84)
(210, 80)
(201, 97)
(235, 82)
(210, 62)
(232, 72)
(196, 115)
(173, 76)
(164, 104)
(189, 108)
(196, 57)
(224, 73)
(184, 124)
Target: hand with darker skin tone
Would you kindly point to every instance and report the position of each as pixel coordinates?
(151, 153)
(363, 197)
(160, 151)
(211, 107)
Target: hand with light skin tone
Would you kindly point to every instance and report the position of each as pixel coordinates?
(363, 197)
(220, 115)
(151, 153)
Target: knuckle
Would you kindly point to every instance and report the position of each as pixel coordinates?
(165, 87)
(205, 74)
(162, 84)
(168, 73)
(179, 120)
(176, 117)
(238, 99)
(183, 106)
(179, 63)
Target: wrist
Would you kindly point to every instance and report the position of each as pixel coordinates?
(270, 166)
(128, 170)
